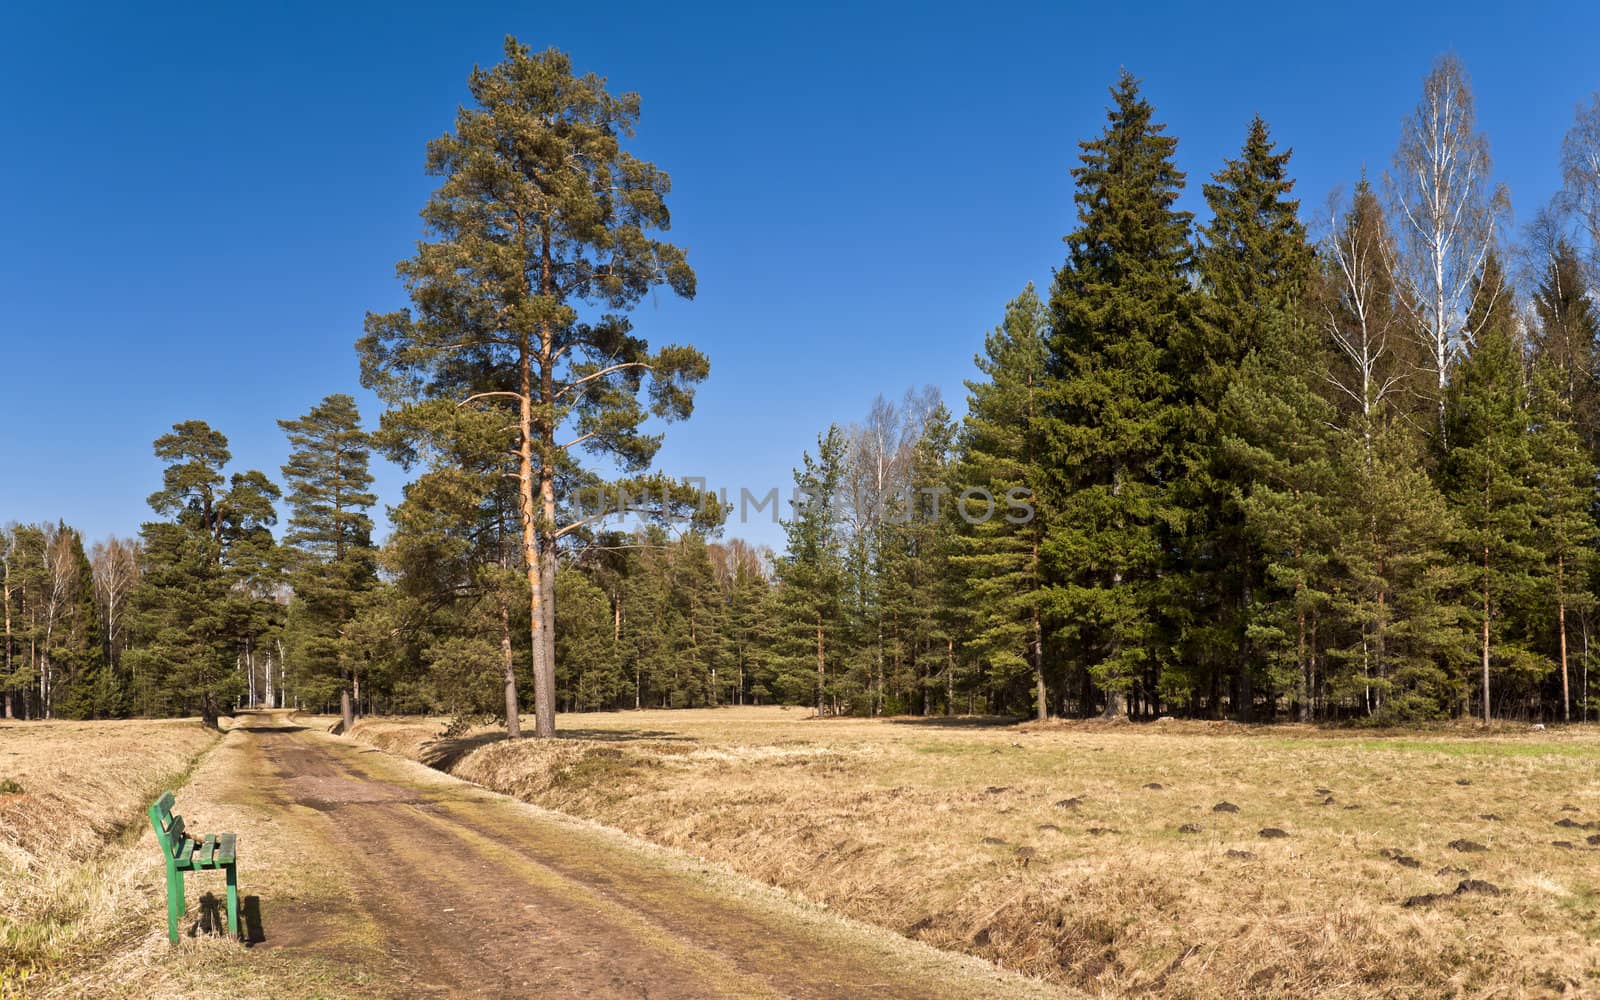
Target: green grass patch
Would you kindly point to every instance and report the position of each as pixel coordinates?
(1444, 748)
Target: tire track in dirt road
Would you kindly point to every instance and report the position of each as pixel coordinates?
(474, 894)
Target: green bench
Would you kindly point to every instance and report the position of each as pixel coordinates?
(184, 852)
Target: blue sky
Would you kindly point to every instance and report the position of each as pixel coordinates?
(198, 203)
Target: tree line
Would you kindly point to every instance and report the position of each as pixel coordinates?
(1350, 477)
(1219, 468)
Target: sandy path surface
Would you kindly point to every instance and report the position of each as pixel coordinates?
(468, 893)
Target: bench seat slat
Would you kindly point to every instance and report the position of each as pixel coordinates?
(225, 855)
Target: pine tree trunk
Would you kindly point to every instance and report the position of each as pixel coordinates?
(950, 677)
(1116, 704)
(1246, 693)
(1561, 623)
(526, 492)
(1041, 693)
(1315, 690)
(1303, 695)
(5, 598)
(1486, 716)
(544, 684)
(347, 710)
(822, 675)
(508, 659)
(1583, 712)
(1246, 680)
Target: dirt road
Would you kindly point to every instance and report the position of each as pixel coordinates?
(443, 888)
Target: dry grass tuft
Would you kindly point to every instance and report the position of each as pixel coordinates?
(1043, 847)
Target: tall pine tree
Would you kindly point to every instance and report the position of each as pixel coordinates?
(334, 563)
(199, 575)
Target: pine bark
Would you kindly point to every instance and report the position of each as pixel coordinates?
(822, 672)
(1561, 623)
(1486, 715)
(509, 660)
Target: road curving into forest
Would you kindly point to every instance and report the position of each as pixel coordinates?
(467, 893)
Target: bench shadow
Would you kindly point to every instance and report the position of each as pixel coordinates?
(211, 918)
(250, 918)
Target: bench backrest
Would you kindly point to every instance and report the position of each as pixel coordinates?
(167, 825)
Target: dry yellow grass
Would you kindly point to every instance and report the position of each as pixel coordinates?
(89, 914)
(78, 793)
(333, 930)
(1045, 849)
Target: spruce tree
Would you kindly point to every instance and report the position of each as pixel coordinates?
(810, 575)
(1566, 339)
(27, 586)
(590, 672)
(1118, 304)
(916, 567)
(1277, 455)
(743, 571)
(1397, 636)
(998, 559)
(1486, 475)
(1563, 480)
(1254, 264)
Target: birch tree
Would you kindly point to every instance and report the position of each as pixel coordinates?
(1580, 172)
(1360, 314)
(115, 563)
(1445, 209)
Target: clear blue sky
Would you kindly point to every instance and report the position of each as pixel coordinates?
(198, 202)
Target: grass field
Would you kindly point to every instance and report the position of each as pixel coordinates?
(364, 875)
(82, 899)
(1181, 859)
(72, 796)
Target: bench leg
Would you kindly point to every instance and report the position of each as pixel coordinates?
(233, 900)
(174, 904)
